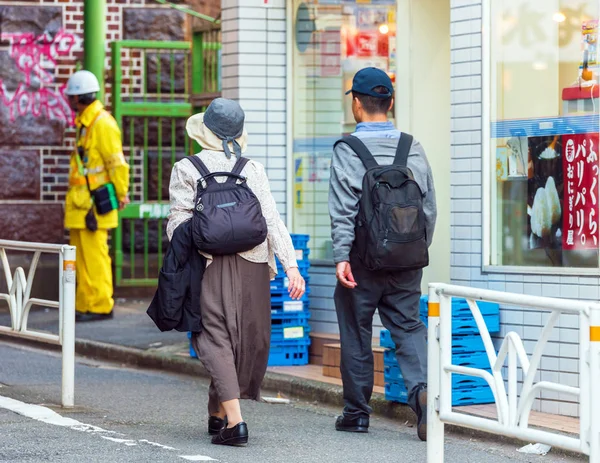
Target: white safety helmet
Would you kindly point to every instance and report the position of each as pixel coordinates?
(82, 83)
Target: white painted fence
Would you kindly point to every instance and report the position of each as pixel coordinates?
(20, 303)
(512, 410)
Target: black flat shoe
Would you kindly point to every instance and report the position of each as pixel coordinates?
(236, 436)
(215, 424)
(93, 317)
(346, 424)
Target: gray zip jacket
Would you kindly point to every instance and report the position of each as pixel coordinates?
(345, 185)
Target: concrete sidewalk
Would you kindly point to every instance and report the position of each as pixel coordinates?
(132, 338)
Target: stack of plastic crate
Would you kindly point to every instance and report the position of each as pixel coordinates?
(289, 318)
(467, 350)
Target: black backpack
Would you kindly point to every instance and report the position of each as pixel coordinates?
(390, 226)
(227, 216)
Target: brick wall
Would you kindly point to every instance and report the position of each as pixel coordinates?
(41, 42)
(560, 362)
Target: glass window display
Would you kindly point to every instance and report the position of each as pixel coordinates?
(544, 133)
(333, 39)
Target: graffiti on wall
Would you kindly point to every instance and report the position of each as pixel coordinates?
(36, 58)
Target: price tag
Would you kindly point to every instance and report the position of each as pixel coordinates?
(293, 306)
(293, 332)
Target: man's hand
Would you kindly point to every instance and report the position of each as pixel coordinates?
(124, 202)
(297, 286)
(343, 273)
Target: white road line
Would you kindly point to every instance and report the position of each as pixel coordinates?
(127, 442)
(197, 458)
(48, 416)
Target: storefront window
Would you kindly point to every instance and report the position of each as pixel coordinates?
(333, 39)
(544, 133)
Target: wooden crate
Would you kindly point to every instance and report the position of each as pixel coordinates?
(331, 362)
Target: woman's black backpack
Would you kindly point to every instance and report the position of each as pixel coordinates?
(227, 216)
(390, 229)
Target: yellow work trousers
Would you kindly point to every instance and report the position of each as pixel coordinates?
(94, 272)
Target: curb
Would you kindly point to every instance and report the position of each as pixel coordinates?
(298, 388)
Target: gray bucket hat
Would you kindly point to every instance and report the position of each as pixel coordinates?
(225, 118)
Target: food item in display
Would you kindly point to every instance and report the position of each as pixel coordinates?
(546, 210)
(541, 218)
(553, 200)
(549, 153)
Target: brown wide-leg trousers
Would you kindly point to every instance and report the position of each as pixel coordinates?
(236, 328)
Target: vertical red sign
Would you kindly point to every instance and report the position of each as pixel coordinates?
(580, 206)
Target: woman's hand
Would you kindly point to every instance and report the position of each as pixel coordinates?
(297, 286)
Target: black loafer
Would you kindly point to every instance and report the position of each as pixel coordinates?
(93, 317)
(347, 424)
(215, 424)
(236, 436)
(422, 412)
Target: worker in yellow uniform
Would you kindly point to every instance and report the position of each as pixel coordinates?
(98, 188)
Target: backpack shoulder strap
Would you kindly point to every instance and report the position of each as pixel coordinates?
(403, 149)
(201, 167)
(238, 168)
(360, 149)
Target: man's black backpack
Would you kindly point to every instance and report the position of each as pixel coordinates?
(227, 216)
(390, 226)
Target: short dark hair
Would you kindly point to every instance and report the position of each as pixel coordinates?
(372, 104)
(88, 98)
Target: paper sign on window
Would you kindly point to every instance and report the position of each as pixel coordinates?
(580, 208)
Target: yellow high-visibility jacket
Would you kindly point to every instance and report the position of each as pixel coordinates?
(103, 160)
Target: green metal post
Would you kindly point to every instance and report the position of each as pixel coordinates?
(197, 63)
(94, 40)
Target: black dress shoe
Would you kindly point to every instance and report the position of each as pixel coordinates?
(422, 412)
(93, 317)
(347, 424)
(215, 424)
(237, 436)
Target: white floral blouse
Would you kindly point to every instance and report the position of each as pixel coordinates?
(182, 190)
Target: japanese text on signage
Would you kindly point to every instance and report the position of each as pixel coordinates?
(580, 209)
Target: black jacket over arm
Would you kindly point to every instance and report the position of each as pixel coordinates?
(176, 304)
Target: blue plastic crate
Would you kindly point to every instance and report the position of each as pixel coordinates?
(300, 241)
(303, 266)
(396, 392)
(289, 307)
(472, 396)
(473, 359)
(290, 318)
(280, 284)
(392, 373)
(192, 351)
(460, 306)
(466, 324)
(288, 355)
(279, 299)
(290, 335)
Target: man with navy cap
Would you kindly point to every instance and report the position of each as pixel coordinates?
(360, 291)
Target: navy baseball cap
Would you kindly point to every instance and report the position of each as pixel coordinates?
(367, 79)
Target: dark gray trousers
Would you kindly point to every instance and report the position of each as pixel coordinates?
(396, 295)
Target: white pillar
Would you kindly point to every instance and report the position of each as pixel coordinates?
(435, 427)
(67, 308)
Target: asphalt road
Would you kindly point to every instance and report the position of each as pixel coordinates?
(128, 415)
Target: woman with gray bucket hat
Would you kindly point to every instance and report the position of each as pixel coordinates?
(235, 302)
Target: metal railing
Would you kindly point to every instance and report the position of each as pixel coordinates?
(513, 411)
(20, 303)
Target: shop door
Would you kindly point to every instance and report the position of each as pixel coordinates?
(156, 87)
